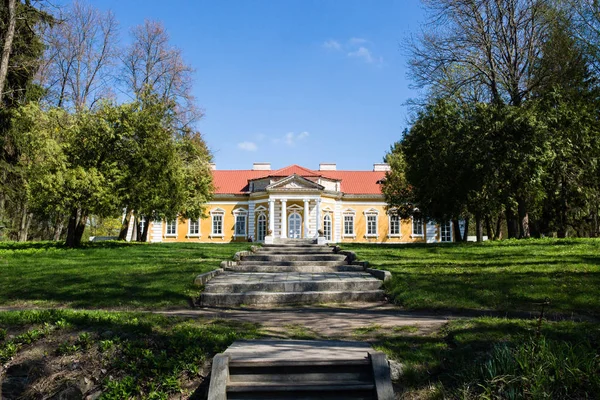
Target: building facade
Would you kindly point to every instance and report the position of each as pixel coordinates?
(262, 205)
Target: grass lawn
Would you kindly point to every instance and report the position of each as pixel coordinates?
(109, 274)
(140, 355)
(507, 275)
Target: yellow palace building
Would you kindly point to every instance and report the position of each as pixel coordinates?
(265, 205)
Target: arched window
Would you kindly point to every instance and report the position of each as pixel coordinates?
(261, 227)
(327, 226)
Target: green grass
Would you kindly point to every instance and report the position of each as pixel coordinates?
(499, 358)
(507, 275)
(130, 355)
(109, 274)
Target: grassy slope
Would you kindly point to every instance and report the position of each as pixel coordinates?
(505, 276)
(111, 274)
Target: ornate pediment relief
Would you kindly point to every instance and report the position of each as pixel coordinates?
(294, 182)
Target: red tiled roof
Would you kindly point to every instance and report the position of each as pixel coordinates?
(352, 182)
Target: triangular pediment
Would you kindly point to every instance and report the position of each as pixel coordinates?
(294, 182)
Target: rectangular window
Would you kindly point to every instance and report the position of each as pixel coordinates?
(240, 225)
(172, 228)
(348, 225)
(194, 229)
(394, 225)
(446, 231)
(217, 224)
(417, 225)
(371, 225)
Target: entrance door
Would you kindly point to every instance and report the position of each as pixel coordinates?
(261, 227)
(294, 226)
(327, 227)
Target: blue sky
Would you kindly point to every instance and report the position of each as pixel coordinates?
(291, 81)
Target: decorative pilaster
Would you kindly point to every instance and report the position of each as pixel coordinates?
(306, 217)
(318, 215)
(283, 218)
(271, 217)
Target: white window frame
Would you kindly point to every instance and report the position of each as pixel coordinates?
(218, 212)
(167, 223)
(240, 213)
(451, 232)
(394, 235)
(413, 234)
(196, 234)
(328, 215)
(261, 215)
(371, 213)
(349, 213)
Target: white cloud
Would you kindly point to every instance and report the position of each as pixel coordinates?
(292, 138)
(247, 146)
(332, 44)
(356, 47)
(363, 53)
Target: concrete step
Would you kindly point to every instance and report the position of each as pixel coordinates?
(294, 257)
(295, 268)
(265, 298)
(296, 250)
(292, 245)
(281, 241)
(233, 283)
(294, 263)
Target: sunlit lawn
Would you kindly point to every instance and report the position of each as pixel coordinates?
(110, 274)
(504, 276)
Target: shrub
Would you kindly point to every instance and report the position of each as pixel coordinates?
(539, 368)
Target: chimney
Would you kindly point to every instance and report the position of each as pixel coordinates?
(381, 167)
(327, 167)
(213, 166)
(261, 166)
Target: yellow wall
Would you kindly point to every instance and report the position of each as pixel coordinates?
(360, 224)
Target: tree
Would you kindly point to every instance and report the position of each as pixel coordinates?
(152, 62)
(484, 51)
(81, 51)
(567, 99)
(8, 35)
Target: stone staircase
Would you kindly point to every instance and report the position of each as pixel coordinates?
(291, 272)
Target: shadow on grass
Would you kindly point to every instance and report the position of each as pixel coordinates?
(149, 354)
(107, 274)
(451, 356)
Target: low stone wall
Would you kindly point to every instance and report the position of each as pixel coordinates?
(207, 276)
(380, 274)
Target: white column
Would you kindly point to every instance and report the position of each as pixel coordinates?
(318, 214)
(306, 217)
(272, 216)
(283, 218)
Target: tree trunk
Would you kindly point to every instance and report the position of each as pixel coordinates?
(58, 227)
(478, 228)
(24, 224)
(488, 227)
(11, 6)
(511, 223)
(124, 227)
(466, 233)
(80, 228)
(524, 231)
(71, 227)
(456, 228)
(144, 237)
(498, 233)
